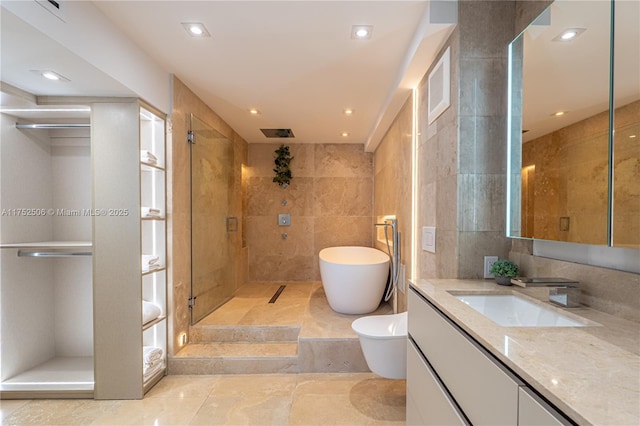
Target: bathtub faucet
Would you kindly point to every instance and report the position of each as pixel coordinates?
(395, 255)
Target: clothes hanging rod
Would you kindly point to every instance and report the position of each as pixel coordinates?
(53, 126)
(52, 253)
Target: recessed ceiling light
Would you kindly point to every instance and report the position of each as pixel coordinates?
(361, 31)
(632, 136)
(569, 34)
(559, 113)
(254, 111)
(344, 134)
(196, 29)
(348, 111)
(50, 75)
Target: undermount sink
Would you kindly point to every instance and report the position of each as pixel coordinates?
(509, 310)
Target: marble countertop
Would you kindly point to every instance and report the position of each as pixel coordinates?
(590, 373)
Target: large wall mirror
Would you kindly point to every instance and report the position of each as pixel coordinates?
(574, 126)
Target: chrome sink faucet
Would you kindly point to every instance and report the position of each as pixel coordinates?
(562, 292)
(567, 296)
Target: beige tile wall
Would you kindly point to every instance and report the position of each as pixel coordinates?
(461, 155)
(392, 185)
(330, 200)
(179, 207)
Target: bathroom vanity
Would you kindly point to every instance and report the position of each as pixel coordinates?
(463, 368)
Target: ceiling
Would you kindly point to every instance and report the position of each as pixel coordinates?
(293, 61)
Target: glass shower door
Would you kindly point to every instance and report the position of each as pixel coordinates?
(212, 260)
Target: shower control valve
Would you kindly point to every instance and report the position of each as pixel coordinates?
(284, 219)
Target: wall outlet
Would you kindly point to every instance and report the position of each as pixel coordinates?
(488, 261)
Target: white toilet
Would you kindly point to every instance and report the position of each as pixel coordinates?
(383, 339)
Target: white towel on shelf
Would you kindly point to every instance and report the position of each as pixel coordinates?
(149, 371)
(150, 212)
(149, 260)
(147, 157)
(150, 311)
(151, 354)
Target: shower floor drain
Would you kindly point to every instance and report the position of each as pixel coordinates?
(277, 294)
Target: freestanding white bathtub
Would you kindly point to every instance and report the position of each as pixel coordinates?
(353, 278)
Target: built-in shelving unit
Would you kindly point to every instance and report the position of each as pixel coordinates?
(46, 260)
(154, 242)
(80, 207)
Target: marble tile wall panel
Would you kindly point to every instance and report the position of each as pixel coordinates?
(266, 198)
(349, 161)
(330, 200)
(481, 202)
(482, 155)
(476, 18)
(337, 196)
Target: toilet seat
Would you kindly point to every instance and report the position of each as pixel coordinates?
(382, 326)
(383, 339)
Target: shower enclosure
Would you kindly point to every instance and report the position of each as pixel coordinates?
(212, 260)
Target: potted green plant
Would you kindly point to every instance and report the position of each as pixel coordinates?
(282, 161)
(503, 270)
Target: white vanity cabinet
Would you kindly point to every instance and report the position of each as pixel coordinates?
(428, 402)
(533, 411)
(458, 381)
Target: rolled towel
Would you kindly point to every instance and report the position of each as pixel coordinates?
(150, 259)
(150, 311)
(150, 212)
(151, 370)
(147, 157)
(150, 262)
(151, 354)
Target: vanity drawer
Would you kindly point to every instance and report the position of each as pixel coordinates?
(486, 391)
(533, 411)
(428, 403)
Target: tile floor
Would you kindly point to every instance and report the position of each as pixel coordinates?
(244, 399)
(251, 399)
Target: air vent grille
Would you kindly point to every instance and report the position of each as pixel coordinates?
(278, 133)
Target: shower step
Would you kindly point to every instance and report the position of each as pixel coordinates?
(236, 358)
(248, 333)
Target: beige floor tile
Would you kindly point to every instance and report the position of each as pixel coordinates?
(288, 312)
(8, 406)
(231, 312)
(183, 387)
(348, 399)
(58, 412)
(296, 290)
(257, 290)
(255, 384)
(244, 410)
(151, 411)
(312, 410)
